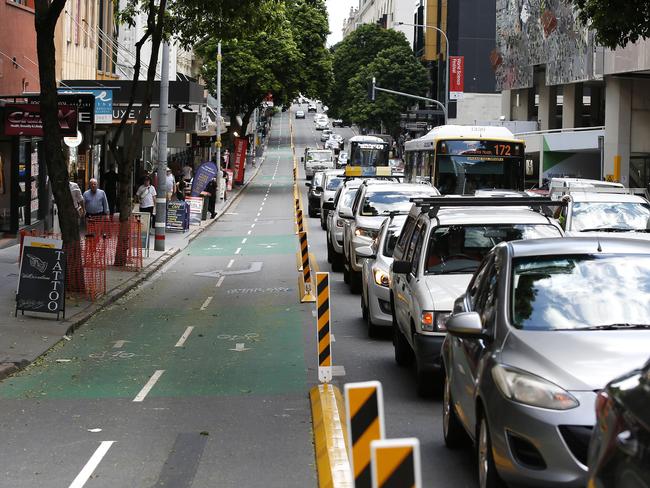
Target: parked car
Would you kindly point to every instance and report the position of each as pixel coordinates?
(333, 180)
(372, 204)
(314, 193)
(336, 222)
(619, 451)
(442, 244)
(375, 275)
(542, 327)
(300, 114)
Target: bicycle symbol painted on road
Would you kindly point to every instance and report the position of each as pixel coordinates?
(251, 336)
(111, 355)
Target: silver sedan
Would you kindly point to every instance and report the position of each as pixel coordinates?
(543, 326)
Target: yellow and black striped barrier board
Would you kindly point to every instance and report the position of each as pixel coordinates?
(295, 173)
(297, 204)
(368, 171)
(305, 282)
(324, 327)
(395, 463)
(364, 406)
(299, 221)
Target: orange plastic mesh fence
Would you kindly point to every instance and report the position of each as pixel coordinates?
(121, 242)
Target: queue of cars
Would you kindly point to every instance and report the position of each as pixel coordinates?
(520, 310)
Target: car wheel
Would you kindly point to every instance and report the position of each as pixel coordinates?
(403, 353)
(330, 252)
(425, 381)
(346, 271)
(452, 430)
(487, 472)
(364, 309)
(355, 281)
(323, 221)
(311, 211)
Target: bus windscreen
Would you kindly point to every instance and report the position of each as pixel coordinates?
(368, 154)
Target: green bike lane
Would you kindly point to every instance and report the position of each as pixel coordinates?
(222, 329)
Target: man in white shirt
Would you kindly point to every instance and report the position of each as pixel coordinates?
(170, 184)
(147, 196)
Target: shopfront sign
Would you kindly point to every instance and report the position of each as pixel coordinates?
(41, 285)
(456, 77)
(241, 145)
(120, 110)
(24, 119)
(178, 216)
(103, 103)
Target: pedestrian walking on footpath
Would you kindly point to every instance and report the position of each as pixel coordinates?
(95, 201)
(146, 195)
(211, 191)
(77, 198)
(170, 183)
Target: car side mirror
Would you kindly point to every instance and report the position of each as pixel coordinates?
(402, 267)
(308, 184)
(328, 205)
(366, 252)
(345, 213)
(466, 324)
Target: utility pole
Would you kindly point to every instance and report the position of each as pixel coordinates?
(219, 106)
(376, 88)
(163, 125)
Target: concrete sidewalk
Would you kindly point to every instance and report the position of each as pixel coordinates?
(25, 338)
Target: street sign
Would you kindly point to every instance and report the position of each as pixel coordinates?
(456, 77)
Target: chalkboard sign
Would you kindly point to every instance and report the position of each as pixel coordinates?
(41, 284)
(178, 218)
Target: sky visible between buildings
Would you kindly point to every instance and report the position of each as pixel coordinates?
(338, 11)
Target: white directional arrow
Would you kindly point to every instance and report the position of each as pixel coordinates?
(239, 347)
(254, 267)
(119, 344)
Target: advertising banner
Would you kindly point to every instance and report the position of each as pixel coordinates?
(241, 144)
(230, 178)
(196, 209)
(41, 283)
(202, 177)
(178, 216)
(103, 103)
(24, 119)
(456, 77)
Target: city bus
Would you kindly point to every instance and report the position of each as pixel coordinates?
(458, 160)
(368, 156)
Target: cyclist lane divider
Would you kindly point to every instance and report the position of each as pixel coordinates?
(323, 322)
(396, 463)
(305, 284)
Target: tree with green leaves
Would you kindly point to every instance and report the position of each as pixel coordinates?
(349, 56)
(395, 68)
(616, 22)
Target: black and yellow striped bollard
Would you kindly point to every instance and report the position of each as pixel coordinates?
(300, 222)
(323, 324)
(305, 282)
(364, 406)
(396, 463)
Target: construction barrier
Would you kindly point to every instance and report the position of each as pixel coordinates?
(323, 323)
(123, 246)
(305, 282)
(395, 463)
(364, 406)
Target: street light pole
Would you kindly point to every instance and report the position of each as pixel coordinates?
(219, 106)
(163, 125)
(424, 26)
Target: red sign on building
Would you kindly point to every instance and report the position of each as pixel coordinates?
(24, 119)
(456, 77)
(241, 145)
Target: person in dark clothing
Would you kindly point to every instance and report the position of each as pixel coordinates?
(110, 188)
(211, 190)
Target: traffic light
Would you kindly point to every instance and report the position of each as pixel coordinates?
(371, 89)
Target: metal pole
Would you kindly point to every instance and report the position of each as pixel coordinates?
(393, 92)
(161, 190)
(219, 105)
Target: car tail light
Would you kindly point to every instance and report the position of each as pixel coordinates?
(427, 321)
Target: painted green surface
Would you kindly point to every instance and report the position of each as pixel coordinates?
(205, 366)
(255, 245)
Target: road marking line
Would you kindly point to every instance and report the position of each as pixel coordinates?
(238, 250)
(230, 263)
(150, 384)
(220, 282)
(338, 370)
(254, 220)
(249, 232)
(259, 213)
(87, 471)
(243, 241)
(184, 337)
(206, 303)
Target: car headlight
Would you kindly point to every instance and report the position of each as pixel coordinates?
(529, 389)
(340, 223)
(381, 277)
(369, 233)
(434, 321)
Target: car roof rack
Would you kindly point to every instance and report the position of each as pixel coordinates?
(432, 205)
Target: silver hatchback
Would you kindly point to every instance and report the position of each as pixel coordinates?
(543, 326)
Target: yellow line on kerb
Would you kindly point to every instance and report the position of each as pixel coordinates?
(330, 438)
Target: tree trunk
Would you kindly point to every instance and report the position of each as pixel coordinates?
(46, 17)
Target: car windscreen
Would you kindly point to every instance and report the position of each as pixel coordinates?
(333, 183)
(319, 156)
(459, 249)
(384, 202)
(348, 198)
(610, 216)
(578, 292)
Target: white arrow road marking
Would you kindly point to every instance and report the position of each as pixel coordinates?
(240, 347)
(254, 267)
(87, 471)
(206, 303)
(184, 337)
(150, 384)
(119, 344)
